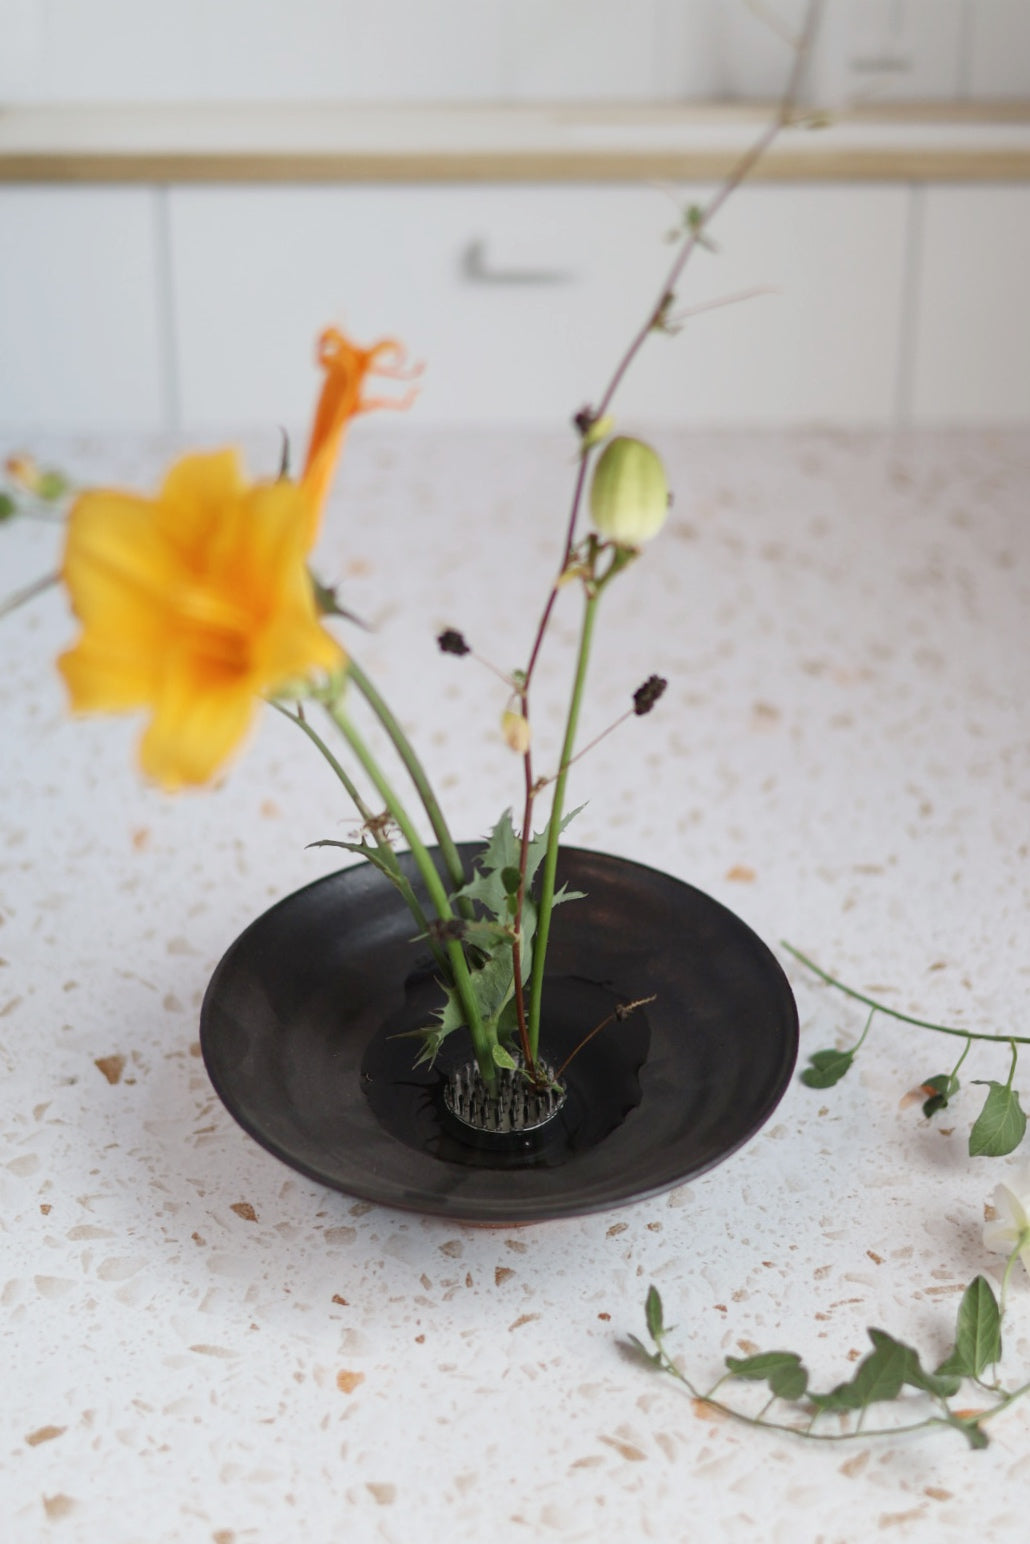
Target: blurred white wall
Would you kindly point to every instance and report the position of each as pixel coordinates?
(153, 307)
(503, 50)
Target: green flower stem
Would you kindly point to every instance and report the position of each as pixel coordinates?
(386, 852)
(893, 1013)
(417, 773)
(550, 864)
(481, 1041)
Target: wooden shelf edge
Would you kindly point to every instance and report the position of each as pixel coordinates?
(830, 165)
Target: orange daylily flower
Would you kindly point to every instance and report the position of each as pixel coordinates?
(193, 604)
(346, 367)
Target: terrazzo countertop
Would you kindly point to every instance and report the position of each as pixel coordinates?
(201, 1345)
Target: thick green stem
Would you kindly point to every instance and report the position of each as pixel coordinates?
(415, 771)
(386, 853)
(481, 1041)
(545, 904)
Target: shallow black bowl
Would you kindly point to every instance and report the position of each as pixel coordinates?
(299, 1033)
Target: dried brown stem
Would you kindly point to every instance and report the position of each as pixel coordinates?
(621, 1013)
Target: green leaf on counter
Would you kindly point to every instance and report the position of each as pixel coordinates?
(1001, 1124)
(826, 1068)
(784, 1372)
(654, 1357)
(971, 1430)
(977, 1332)
(941, 1089)
(655, 1314)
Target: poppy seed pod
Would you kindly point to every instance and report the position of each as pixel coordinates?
(629, 497)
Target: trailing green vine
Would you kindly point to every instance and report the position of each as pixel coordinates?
(892, 1373)
(1001, 1124)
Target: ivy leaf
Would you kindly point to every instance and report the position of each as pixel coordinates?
(881, 1376)
(941, 1089)
(654, 1314)
(1001, 1124)
(827, 1068)
(784, 1372)
(878, 1377)
(971, 1430)
(654, 1357)
(977, 1332)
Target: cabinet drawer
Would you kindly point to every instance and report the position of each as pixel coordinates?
(520, 299)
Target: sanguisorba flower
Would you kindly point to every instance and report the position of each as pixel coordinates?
(193, 604)
(1008, 1224)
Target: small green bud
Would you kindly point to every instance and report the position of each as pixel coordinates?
(629, 497)
(52, 485)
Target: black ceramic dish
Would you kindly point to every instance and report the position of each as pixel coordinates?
(302, 1033)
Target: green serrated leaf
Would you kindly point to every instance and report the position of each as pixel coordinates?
(784, 1371)
(977, 1332)
(826, 1068)
(503, 1058)
(8, 508)
(943, 1087)
(654, 1314)
(1001, 1124)
(432, 1040)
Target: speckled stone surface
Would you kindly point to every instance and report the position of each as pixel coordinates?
(200, 1345)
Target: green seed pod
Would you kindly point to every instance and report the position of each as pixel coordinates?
(629, 497)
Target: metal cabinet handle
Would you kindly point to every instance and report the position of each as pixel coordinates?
(476, 269)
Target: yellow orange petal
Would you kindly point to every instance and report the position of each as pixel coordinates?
(195, 728)
(196, 604)
(197, 494)
(341, 399)
(107, 677)
(114, 557)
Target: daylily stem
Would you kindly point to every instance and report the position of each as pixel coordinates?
(415, 771)
(550, 863)
(386, 852)
(434, 885)
(29, 592)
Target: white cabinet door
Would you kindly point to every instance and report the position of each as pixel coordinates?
(80, 339)
(972, 326)
(521, 299)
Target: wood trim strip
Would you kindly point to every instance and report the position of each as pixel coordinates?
(784, 165)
